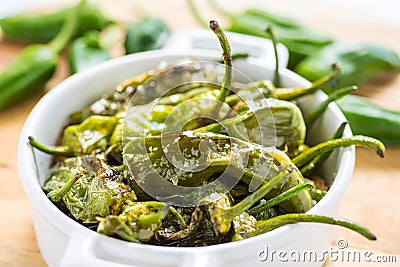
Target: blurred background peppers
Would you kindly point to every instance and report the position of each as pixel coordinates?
(93, 38)
(36, 64)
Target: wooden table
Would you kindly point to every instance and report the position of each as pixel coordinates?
(372, 198)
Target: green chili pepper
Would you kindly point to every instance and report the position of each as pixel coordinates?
(359, 62)
(86, 52)
(300, 42)
(149, 34)
(255, 21)
(58, 193)
(366, 118)
(44, 27)
(36, 64)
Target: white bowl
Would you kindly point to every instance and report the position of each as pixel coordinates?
(64, 242)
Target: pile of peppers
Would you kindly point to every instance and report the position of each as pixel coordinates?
(103, 181)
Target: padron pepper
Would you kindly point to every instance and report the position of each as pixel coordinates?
(138, 222)
(88, 188)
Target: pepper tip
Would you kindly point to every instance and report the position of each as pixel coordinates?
(31, 139)
(214, 25)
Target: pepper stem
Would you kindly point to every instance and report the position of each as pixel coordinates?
(53, 150)
(307, 169)
(57, 194)
(196, 13)
(292, 93)
(277, 77)
(68, 29)
(335, 95)
(230, 213)
(181, 220)
(219, 9)
(330, 145)
(226, 48)
(278, 221)
(279, 199)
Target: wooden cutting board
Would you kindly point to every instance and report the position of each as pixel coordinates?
(372, 198)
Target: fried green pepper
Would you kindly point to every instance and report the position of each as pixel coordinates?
(139, 221)
(271, 122)
(88, 188)
(89, 137)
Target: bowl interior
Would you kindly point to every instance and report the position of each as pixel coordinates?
(51, 113)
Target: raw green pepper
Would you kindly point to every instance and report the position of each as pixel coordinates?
(300, 41)
(366, 118)
(86, 52)
(149, 34)
(359, 62)
(36, 64)
(44, 27)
